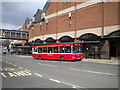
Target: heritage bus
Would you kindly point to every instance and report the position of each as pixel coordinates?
(58, 51)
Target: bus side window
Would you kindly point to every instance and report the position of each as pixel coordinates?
(35, 49)
(32, 49)
(68, 49)
(39, 50)
(74, 50)
(80, 49)
(50, 50)
(44, 49)
(61, 50)
(55, 49)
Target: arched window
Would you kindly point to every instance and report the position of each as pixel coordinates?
(114, 34)
(38, 41)
(66, 39)
(89, 37)
(50, 40)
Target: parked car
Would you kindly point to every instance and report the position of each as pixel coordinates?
(4, 51)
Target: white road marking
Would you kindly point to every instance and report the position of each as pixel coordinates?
(6, 62)
(14, 65)
(50, 65)
(27, 61)
(93, 72)
(55, 80)
(38, 74)
(47, 65)
(27, 70)
(73, 86)
(20, 67)
(10, 63)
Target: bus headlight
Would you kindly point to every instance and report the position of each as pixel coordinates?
(73, 57)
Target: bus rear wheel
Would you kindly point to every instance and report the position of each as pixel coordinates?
(62, 58)
(39, 58)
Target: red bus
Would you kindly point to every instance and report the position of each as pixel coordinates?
(58, 51)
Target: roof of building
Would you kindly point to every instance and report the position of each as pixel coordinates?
(46, 6)
(38, 15)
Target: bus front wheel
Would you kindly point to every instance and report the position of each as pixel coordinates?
(62, 58)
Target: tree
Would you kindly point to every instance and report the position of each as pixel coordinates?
(5, 43)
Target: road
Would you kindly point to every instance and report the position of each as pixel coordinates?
(26, 72)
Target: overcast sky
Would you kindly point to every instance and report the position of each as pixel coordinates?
(14, 14)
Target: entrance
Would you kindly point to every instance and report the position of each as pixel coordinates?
(91, 45)
(113, 47)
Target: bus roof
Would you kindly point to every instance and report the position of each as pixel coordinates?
(55, 44)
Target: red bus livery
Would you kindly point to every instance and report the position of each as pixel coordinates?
(58, 51)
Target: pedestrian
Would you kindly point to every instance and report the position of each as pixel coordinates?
(11, 51)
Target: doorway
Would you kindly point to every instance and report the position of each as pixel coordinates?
(113, 47)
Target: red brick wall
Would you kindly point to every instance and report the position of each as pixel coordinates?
(30, 33)
(24, 28)
(36, 30)
(62, 5)
(111, 13)
(52, 8)
(89, 17)
(51, 26)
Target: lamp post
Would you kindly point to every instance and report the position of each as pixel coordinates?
(86, 52)
(102, 5)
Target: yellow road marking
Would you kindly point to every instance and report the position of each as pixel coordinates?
(38, 74)
(22, 73)
(1, 69)
(3, 75)
(7, 69)
(19, 73)
(12, 75)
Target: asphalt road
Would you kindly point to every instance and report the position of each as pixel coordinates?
(26, 72)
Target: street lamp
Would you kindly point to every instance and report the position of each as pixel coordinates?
(86, 52)
(102, 2)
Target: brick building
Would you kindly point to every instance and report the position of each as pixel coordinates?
(94, 23)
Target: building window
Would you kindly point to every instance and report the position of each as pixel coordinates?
(18, 35)
(65, 2)
(12, 34)
(23, 35)
(40, 26)
(70, 22)
(46, 26)
(7, 34)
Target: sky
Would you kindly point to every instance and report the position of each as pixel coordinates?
(14, 14)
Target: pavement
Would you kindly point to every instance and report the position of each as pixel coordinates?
(104, 61)
(114, 61)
